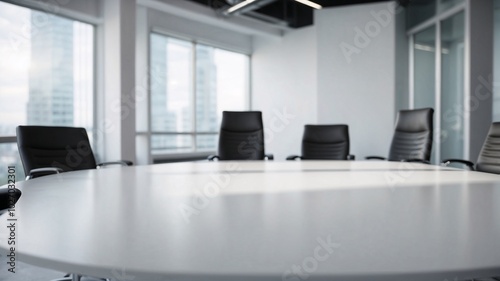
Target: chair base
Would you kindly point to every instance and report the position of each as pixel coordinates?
(71, 277)
(76, 277)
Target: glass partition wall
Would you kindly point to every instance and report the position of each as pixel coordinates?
(437, 62)
(424, 72)
(452, 87)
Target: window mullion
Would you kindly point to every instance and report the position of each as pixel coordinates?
(193, 95)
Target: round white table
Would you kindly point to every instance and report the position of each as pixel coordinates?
(266, 220)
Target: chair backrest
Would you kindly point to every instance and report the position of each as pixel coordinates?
(67, 148)
(413, 135)
(489, 157)
(325, 142)
(241, 136)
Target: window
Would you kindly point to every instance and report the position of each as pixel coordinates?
(424, 72)
(452, 125)
(46, 75)
(190, 87)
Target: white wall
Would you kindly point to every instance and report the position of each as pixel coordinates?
(310, 74)
(402, 63)
(356, 73)
(284, 80)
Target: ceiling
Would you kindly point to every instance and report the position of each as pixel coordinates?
(285, 12)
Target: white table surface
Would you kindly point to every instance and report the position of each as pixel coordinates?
(263, 221)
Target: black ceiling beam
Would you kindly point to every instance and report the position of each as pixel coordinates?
(294, 13)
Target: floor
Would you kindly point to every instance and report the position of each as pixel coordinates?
(26, 272)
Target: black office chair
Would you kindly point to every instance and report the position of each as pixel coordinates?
(412, 140)
(489, 156)
(325, 142)
(241, 137)
(47, 150)
(8, 198)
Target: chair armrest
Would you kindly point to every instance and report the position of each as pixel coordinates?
(9, 197)
(375, 157)
(127, 162)
(351, 157)
(469, 164)
(213, 157)
(293, 157)
(119, 162)
(40, 172)
(269, 156)
(416, 160)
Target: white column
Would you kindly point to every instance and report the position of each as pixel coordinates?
(116, 119)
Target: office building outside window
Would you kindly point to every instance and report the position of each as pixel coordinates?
(196, 82)
(46, 75)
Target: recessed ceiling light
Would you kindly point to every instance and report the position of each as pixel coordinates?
(310, 4)
(239, 6)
